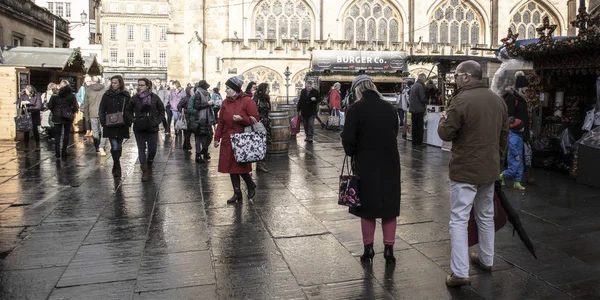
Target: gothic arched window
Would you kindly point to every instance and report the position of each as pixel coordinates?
(455, 22)
(264, 74)
(277, 18)
(528, 17)
(372, 20)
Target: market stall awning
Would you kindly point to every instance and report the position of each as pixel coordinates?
(453, 59)
(92, 66)
(39, 57)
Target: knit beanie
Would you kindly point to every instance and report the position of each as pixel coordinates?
(516, 124)
(235, 83)
(359, 79)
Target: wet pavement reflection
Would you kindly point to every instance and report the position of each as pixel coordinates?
(68, 230)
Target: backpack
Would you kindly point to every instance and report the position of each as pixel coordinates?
(191, 107)
(326, 99)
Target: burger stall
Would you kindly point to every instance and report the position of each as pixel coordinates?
(386, 68)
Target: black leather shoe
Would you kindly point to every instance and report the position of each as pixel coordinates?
(199, 158)
(237, 196)
(368, 254)
(388, 254)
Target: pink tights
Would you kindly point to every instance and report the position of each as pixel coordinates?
(389, 230)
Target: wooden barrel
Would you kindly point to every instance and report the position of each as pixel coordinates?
(290, 108)
(280, 133)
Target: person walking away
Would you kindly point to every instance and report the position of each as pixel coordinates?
(335, 100)
(46, 115)
(177, 93)
(203, 118)
(182, 108)
(163, 94)
(115, 100)
(418, 102)
(402, 103)
(307, 107)
(93, 97)
(238, 110)
(81, 98)
(263, 103)
(217, 101)
(147, 112)
(369, 137)
(64, 106)
(516, 166)
(32, 101)
(517, 108)
(476, 123)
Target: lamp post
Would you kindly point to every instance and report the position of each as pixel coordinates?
(83, 21)
(287, 74)
(582, 9)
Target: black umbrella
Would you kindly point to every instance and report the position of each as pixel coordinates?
(513, 218)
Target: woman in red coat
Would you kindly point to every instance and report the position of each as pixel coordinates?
(335, 101)
(237, 111)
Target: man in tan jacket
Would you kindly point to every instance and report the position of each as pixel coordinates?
(477, 124)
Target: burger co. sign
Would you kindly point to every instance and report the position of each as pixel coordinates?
(370, 61)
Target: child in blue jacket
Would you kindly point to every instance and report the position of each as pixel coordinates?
(515, 154)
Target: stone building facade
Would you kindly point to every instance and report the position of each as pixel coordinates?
(81, 15)
(215, 39)
(23, 23)
(134, 39)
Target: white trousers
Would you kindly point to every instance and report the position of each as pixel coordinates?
(462, 198)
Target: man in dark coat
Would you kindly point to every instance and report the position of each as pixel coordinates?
(418, 102)
(369, 137)
(476, 123)
(308, 107)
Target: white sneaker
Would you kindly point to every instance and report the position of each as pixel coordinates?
(102, 153)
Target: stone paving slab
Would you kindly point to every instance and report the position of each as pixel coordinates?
(68, 230)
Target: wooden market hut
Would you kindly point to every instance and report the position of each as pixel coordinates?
(563, 87)
(36, 66)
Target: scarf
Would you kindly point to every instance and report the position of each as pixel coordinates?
(146, 97)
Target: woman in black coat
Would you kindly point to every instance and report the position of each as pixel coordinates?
(182, 108)
(369, 137)
(115, 100)
(146, 111)
(63, 106)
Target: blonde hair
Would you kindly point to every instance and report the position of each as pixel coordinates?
(63, 83)
(364, 86)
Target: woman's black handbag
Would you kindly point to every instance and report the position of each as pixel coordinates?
(116, 119)
(66, 113)
(349, 194)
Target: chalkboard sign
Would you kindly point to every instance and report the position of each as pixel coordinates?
(71, 79)
(23, 81)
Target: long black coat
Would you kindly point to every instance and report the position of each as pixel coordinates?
(155, 111)
(369, 137)
(307, 107)
(65, 100)
(114, 102)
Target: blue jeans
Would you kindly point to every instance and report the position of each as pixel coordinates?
(149, 139)
(115, 144)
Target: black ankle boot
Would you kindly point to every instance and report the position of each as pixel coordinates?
(251, 190)
(205, 154)
(237, 196)
(116, 170)
(388, 254)
(199, 158)
(368, 254)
